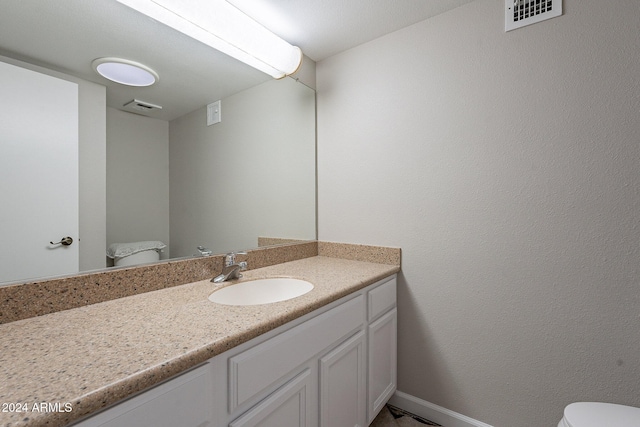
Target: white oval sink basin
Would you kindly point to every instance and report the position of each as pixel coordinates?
(261, 291)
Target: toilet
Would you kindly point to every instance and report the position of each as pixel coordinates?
(134, 253)
(596, 414)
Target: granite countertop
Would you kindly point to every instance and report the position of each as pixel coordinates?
(81, 360)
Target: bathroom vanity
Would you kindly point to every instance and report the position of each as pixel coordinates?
(335, 367)
(172, 357)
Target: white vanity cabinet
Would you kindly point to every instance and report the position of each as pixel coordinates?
(334, 367)
(307, 357)
(183, 401)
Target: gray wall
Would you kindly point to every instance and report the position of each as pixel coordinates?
(251, 175)
(507, 167)
(137, 179)
(92, 105)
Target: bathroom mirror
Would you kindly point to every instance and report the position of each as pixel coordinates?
(166, 175)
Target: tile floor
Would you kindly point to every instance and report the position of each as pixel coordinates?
(390, 416)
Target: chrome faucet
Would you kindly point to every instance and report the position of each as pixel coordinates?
(231, 269)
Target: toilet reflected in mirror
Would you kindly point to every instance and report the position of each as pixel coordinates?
(124, 254)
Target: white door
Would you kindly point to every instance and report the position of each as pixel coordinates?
(38, 174)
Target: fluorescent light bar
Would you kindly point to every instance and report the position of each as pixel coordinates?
(224, 27)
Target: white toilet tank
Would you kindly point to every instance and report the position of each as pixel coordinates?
(143, 257)
(133, 253)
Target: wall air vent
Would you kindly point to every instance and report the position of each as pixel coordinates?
(519, 13)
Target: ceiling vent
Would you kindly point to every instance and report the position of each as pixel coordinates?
(140, 107)
(519, 13)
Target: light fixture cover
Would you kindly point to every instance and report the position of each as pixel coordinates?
(125, 72)
(224, 27)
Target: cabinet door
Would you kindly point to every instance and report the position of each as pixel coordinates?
(262, 367)
(342, 385)
(183, 401)
(289, 406)
(382, 362)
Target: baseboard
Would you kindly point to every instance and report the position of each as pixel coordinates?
(433, 412)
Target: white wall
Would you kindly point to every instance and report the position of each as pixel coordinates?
(137, 179)
(251, 175)
(507, 167)
(92, 104)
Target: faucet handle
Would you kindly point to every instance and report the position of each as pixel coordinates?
(230, 258)
(204, 251)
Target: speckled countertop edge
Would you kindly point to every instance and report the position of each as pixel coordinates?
(96, 355)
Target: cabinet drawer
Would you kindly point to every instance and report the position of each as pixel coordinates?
(254, 370)
(382, 299)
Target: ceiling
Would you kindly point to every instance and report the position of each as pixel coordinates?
(322, 28)
(67, 35)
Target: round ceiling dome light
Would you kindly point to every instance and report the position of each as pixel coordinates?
(125, 72)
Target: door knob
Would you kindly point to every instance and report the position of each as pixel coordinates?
(66, 241)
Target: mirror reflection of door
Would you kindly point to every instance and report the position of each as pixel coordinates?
(38, 174)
